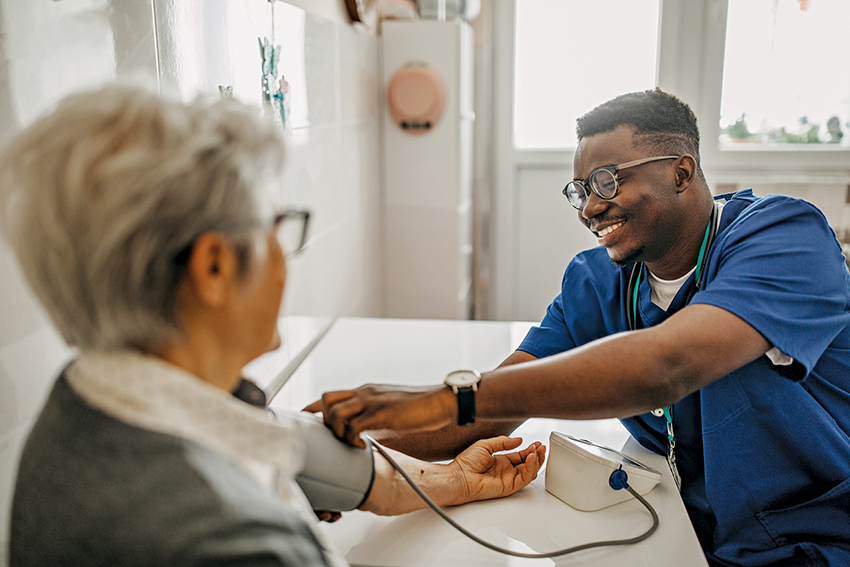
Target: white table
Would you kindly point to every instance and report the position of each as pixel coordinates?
(419, 352)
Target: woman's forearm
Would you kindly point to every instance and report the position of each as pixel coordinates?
(392, 495)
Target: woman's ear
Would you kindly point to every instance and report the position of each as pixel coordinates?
(212, 269)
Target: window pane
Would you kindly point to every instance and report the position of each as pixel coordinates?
(786, 76)
(572, 55)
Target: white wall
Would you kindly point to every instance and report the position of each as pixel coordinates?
(50, 48)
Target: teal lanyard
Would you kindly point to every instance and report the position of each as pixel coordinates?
(667, 412)
(700, 259)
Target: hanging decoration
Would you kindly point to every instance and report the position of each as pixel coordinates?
(275, 90)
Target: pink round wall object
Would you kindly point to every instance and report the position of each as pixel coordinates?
(416, 98)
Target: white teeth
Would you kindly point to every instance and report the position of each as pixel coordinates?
(609, 229)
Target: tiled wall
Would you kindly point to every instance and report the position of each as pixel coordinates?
(50, 48)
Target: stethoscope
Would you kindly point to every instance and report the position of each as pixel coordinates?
(633, 322)
(633, 289)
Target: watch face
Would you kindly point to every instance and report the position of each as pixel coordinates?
(462, 378)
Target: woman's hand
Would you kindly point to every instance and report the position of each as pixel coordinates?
(486, 476)
(374, 407)
(476, 474)
(327, 515)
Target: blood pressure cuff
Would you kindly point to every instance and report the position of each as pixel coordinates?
(336, 476)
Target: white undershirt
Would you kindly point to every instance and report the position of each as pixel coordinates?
(664, 291)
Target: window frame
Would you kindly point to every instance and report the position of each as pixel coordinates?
(759, 163)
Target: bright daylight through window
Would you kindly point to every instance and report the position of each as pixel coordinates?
(571, 55)
(786, 77)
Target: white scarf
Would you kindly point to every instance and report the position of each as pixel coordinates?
(150, 393)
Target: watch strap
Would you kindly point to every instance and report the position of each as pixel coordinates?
(465, 405)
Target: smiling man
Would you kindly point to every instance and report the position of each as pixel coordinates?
(717, 328)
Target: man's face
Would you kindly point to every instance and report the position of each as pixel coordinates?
(640, 222)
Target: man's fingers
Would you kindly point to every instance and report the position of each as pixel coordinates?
(351, 433)
(338, 409)
(374, 407)
(343, 412)
(329, 399)
(357, 425)
(340, 414)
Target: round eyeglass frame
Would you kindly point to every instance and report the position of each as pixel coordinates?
(577, 191)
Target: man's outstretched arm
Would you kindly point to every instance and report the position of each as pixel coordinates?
(618, 376)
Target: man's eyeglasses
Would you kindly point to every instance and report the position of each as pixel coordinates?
(291, 230)
(602, 181)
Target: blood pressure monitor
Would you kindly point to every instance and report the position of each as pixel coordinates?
(579, 473)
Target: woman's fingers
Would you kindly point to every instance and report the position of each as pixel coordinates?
(501, 443)
(528, 471)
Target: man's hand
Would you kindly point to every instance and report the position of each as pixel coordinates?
(488, 476)
(374, 407)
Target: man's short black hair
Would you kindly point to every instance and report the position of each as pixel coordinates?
(663, 124)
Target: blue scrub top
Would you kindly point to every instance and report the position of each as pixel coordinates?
(764, 452)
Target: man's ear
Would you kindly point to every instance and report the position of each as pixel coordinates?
(686, 170)
(212, 269)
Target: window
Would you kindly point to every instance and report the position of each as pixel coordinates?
(570, 55)
(786, 73)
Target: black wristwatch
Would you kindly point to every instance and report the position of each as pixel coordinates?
(464, 383)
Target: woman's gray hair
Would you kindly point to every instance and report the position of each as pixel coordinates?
(102, 199)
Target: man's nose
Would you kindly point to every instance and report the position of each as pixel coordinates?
(595, 205)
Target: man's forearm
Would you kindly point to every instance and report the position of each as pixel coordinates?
(624, 374)
(617, 376)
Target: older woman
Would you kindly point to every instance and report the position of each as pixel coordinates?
(145, 228)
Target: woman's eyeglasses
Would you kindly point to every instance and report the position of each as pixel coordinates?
(602, 181)
(291, 230)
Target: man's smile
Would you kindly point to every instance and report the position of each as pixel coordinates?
(603, 232)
